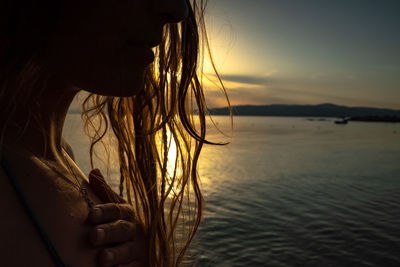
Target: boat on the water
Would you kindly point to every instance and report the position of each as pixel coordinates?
(343, 121)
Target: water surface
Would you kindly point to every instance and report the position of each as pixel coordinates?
(295, 192)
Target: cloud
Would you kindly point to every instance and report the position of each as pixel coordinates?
(246, 79)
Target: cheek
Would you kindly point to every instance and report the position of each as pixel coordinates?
(91, 53)
(107, 70)
(101, 69)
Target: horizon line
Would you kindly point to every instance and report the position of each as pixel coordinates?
(326, 103)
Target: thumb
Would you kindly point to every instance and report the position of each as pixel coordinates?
(102, 189)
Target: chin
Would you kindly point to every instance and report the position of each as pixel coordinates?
(126, 90)
(117, 86)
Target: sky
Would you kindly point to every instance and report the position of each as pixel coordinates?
(305, 52)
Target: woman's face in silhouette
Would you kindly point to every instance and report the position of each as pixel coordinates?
(104, 46)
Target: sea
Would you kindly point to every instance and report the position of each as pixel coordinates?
(292, 191)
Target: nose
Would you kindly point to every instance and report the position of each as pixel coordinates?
(172, 11)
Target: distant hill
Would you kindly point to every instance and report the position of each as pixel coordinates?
(321, 110)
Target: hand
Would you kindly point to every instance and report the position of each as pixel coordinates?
(115, 226)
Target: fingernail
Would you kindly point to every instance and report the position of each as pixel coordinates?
(97, 213)
(109, 256)
(100, 234)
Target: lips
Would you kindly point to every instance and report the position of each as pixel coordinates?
(141, 52)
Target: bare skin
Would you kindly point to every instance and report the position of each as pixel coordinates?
(88, 51)
(60, 208)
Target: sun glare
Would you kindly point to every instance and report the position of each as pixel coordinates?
(173, 168)
(172, 153)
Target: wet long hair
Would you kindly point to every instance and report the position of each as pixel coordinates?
(170, 113)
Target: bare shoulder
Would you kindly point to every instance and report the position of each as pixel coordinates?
(20, 245)
(60, 211)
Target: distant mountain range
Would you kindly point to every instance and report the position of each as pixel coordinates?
(321, 110)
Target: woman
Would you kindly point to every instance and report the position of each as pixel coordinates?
(49, 51)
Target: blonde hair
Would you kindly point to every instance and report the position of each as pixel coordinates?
(144, 126)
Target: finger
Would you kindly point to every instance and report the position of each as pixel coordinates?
(102, 189)
(115, 232)
(102, 213)
(126, 254)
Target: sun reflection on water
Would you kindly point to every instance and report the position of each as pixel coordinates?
(173, 167)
